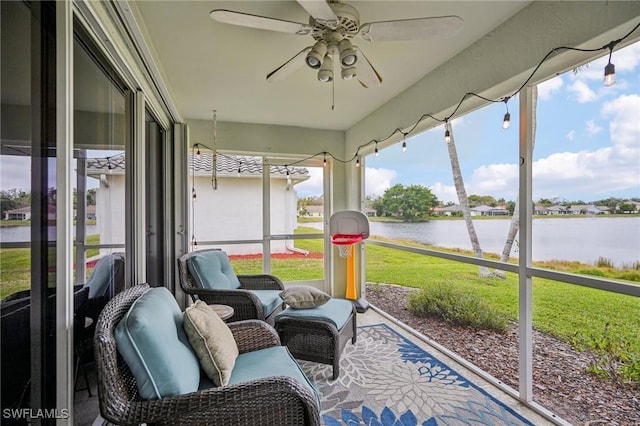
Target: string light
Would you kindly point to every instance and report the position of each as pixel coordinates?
(198, 154)
(376, 150)
(506, 121)
(239, 168)
(447, 133)
(324, 162)
(610, 69)
(193, 194)
(288, 176)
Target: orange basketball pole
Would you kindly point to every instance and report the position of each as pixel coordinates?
(351, 294)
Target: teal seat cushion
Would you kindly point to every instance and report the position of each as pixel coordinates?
(336, 311)
(270, 300)
(211, 269)
(273, 361)
(152, 342)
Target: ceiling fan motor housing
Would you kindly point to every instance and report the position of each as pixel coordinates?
(347, 26)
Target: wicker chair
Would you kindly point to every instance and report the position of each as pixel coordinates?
(274, 400)
(245, 302)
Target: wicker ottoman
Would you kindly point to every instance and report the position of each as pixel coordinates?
(318, 334)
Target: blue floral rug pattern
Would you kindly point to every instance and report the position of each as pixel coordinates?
(388, 380)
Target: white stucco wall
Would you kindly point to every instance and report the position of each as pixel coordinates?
(110, 211)
(234, 212)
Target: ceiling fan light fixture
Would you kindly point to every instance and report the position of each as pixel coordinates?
(325, 74)
(315, 55)
(348, 55)
(349, 73)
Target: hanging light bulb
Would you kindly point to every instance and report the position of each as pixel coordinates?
(609, 74)
(506, 121)
(447, 136)
(193, 194)
(376, 150)
(109, 165)
(610, 69)
(404, 146)
(357, 162)
(288, 176)
(324, 162)
(198, 154)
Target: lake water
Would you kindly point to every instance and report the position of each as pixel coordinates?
(15, 234)
(580, 239)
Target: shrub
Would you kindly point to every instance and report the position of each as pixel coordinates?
(604, 262)
(612, 357)
(456, 306)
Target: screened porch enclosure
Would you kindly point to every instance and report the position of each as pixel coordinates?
(118, 96)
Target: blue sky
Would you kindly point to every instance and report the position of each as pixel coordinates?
(587, 144)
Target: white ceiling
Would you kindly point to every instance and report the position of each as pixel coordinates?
(209, 65)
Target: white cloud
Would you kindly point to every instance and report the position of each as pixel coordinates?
(592, 128)
(582, 91)
(378, 180)
(548, 88)
(445, 193)
(495, 179)
(624, 125)
(313, 185)
(585, 174)
(571, 135)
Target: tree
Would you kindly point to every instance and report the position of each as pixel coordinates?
(481, 200)
(12, 199)
(411, 202)
(462, 199)
(627, 207)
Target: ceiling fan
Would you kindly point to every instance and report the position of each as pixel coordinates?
(333, 25)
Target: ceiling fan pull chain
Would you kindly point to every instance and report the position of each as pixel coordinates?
(333, 94)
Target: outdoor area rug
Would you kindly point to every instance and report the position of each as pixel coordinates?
(385, 379)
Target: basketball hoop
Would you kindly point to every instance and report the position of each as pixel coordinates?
(345, 243)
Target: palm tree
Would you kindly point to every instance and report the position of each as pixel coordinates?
(515, 219)
(463, 200)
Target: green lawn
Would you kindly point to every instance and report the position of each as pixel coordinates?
(15, 267)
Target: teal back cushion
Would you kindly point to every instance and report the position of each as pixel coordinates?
(212, 270)
(107, 270)
(152, 342)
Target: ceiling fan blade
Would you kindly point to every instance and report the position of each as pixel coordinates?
(321, 12)
(289, 67)
(368, 76)
(411, 29)
(259, 22)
